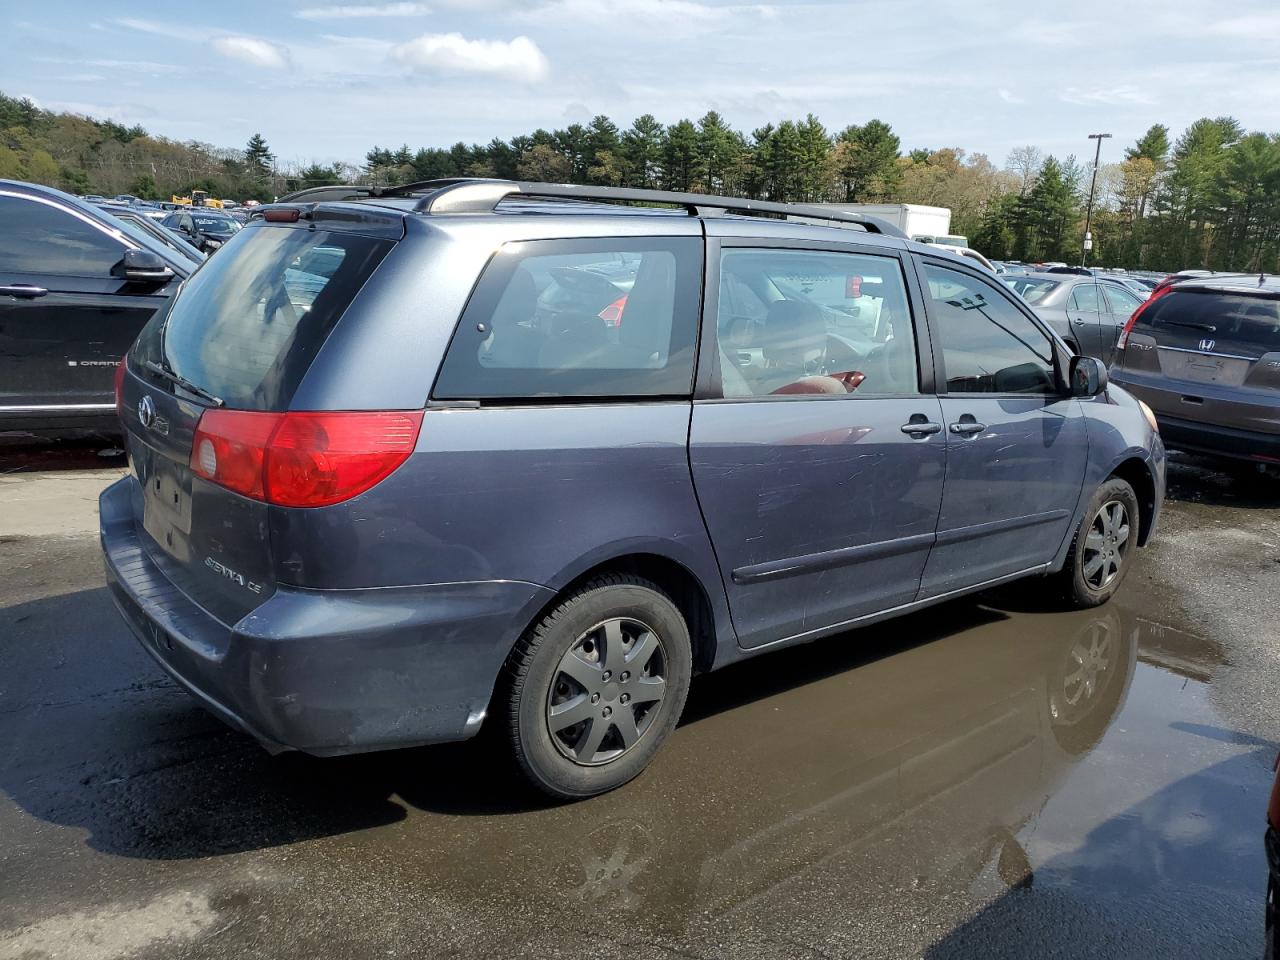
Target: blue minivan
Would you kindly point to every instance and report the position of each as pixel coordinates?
(407, 461)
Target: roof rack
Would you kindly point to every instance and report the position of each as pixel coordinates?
(480, 195)
(360, 191)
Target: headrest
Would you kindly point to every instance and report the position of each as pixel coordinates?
(792, 329)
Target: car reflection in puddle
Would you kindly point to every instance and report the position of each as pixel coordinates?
(966, 764)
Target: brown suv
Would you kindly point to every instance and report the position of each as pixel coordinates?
(1205, 356)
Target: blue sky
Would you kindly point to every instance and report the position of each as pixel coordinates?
(325, 81)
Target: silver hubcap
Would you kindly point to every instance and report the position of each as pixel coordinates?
(606, 691)
(1092, 658)
(1105, 544)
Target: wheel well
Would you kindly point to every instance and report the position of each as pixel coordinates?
(685, 590)
(1134, 472)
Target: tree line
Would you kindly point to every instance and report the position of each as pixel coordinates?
(1210, 198)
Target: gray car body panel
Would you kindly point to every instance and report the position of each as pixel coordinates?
(795, 517)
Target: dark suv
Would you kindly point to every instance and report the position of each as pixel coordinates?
(472, 449)
(1205, 354)
(76, 287)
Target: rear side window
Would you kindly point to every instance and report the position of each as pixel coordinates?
(248, 323)
(42, 238)
(579, 318)
(1085, 297)
(1215, 322)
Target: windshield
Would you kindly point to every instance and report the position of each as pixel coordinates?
(248, 323)
(1031, 289)
(219, 226)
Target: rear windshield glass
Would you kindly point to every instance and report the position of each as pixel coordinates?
(1234, 323)
(248, 323)
(1031, 289)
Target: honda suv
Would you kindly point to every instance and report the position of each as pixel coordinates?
(1205, 354)
(533, 455)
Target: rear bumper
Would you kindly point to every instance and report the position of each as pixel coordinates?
(325, 671)
(1219, 441)
(1187, 428)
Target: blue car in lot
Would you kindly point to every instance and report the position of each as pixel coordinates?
(405, 462)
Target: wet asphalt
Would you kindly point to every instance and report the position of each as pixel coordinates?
(985, 779)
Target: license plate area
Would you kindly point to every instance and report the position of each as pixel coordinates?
(1204, 369)
(166, 501)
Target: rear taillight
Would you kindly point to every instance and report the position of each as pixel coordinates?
(119, 382)
(302, 459)
(612, 314)
(1156, 294)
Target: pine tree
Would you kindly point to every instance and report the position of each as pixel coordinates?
(258, 158)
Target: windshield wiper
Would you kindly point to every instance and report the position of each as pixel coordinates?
(183, 382)
(1193, 325)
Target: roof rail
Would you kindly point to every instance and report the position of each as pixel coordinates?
(337, 191)
(361, 191)
(482, 196)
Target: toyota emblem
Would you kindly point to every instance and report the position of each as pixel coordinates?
(146, 412)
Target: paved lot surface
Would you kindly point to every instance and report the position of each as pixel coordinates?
(984, 780)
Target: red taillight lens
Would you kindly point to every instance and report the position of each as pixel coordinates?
(302, 459)
(119, 384)
(1156, 294)
(612, 314)
(230, 448)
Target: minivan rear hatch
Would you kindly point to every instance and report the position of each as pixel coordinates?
(239, 336)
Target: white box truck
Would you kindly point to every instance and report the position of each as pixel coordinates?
(919, 222)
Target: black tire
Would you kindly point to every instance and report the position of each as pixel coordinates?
(539, 661)
(1075, 584)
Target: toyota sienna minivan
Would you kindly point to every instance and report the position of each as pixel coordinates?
(407, 462)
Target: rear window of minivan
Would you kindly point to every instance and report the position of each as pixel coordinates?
(247, 324)
(1234, 323)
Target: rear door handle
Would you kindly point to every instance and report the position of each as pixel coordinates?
(921, 428)
(24, 290)
(1079, 320)
(966, 427)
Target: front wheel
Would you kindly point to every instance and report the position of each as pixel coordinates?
(595, 687)
(1103, 546)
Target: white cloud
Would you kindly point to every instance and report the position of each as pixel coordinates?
(627, 13)
(260, 53)
(518, 59)
(1008, 96)
(1126, 94)
(1262, 27)
(360, 11)
(157, 29)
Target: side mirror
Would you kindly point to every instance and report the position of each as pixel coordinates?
(1088, 377)
(143, 266)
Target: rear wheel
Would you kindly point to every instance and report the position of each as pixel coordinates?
(1103, 547)
(596, 686)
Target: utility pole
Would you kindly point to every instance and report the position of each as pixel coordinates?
(1087, 245)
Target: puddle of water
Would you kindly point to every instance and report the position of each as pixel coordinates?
(1026, 766)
